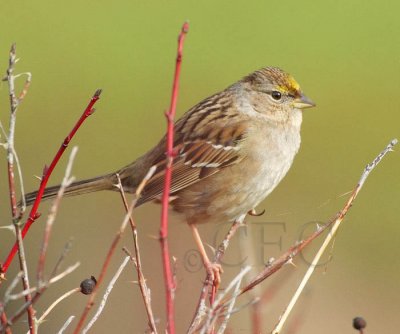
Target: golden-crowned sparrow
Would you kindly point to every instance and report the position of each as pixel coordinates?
(233, 148)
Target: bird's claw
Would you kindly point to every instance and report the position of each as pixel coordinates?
(253, 212)
(214, 271)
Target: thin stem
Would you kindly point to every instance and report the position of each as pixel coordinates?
(110, 253)
(168, 275)
(145, 291)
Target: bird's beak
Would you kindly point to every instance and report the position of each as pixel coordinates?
(303, 102)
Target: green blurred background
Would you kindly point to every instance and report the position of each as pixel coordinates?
(345, 54)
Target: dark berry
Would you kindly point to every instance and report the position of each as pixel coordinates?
(87, 285)
(359, 323)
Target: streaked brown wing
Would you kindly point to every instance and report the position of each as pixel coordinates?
(214, 148)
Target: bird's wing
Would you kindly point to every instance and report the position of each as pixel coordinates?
(204, 144)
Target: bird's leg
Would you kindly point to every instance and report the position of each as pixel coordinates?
(214, 270)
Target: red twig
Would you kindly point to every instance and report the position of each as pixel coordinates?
(33, 215)
(168, 275)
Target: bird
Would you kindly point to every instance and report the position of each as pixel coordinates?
(232, 150)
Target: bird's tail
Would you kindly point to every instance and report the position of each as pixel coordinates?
(104, 182)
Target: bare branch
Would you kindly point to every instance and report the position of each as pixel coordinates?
(336, 224)
(110, 253)
(145, 291)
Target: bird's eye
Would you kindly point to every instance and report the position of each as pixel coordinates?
(276, 95)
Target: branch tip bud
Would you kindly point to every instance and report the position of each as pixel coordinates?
(98, 92)
(185, 27)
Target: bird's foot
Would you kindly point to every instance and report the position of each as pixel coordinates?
(214, 271)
